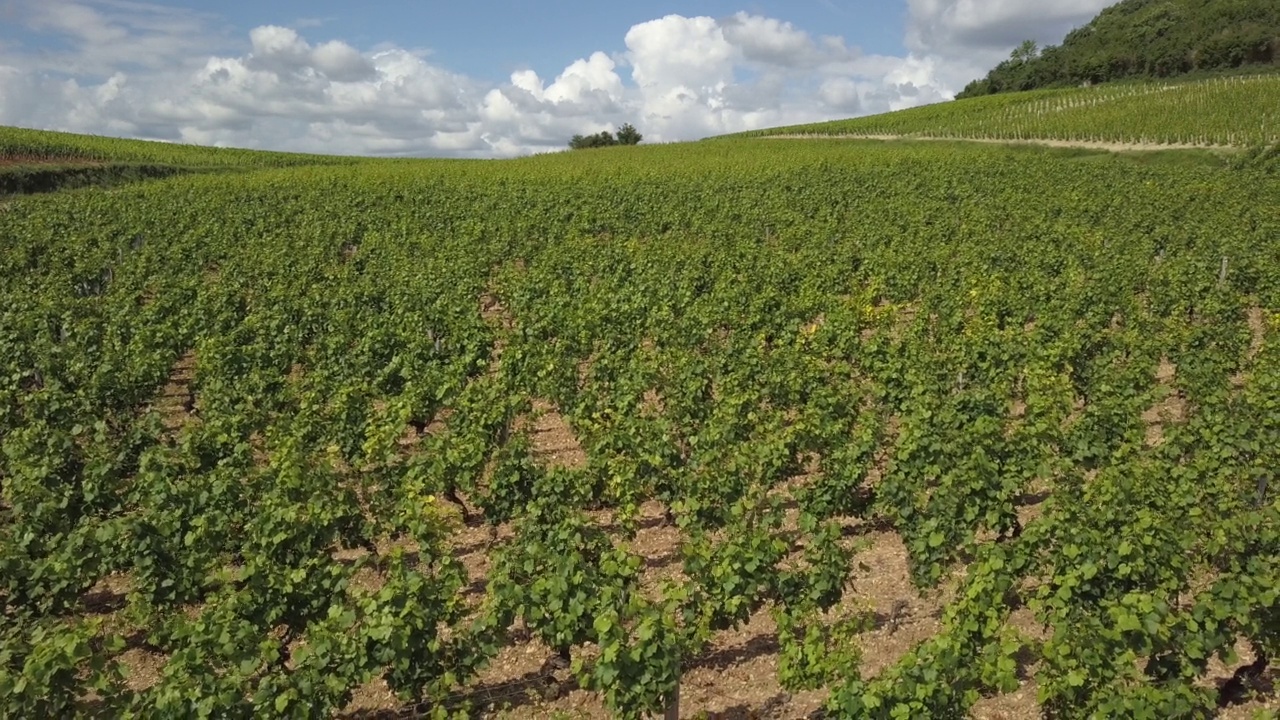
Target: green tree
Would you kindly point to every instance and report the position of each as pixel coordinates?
(1025, 52)
(1145, 39)
(628, 135)
(602, 139)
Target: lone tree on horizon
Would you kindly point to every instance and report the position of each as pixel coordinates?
(627, 135)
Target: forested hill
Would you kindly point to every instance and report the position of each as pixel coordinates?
(1146, 38)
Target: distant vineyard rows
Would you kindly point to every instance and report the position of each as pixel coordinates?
(19, 146)
(1237, 111)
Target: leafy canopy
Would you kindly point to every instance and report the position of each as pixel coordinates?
(1145, 39)
(627, 135)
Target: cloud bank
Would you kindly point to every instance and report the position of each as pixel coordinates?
(138, 70)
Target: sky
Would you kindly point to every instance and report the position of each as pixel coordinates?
(491, 78)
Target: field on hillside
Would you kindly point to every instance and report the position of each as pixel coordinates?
(37, 161)
(1227, 111)
(20, 146)
(811, 429)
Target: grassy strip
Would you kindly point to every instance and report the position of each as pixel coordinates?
(1263, 158)
(30, 179)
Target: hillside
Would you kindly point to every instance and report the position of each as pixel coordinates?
(36, 161)
(812, 429)
(1231, 111)
(21, 146)
(1146, 39)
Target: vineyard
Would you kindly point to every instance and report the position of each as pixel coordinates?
(36, 161)
(820, 429)
(1225, 111)
(20, 146)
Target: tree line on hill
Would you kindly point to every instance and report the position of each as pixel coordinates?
(1145, 39)
(627, 135)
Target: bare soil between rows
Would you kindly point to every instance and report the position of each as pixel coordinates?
(736, 677)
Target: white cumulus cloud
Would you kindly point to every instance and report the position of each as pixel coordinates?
(973, 35)
(129, 68)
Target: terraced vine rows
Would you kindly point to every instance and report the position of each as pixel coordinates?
(21, 146)
(1221, 112)
(915, 430)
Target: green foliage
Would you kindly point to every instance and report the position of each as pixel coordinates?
(627, 135)
(40, 147)
(1225, 111)
(1145, 39)
(770, 348)
(21, 180)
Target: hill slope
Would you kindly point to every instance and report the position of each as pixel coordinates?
(1235, 111)
(31, 147)
(923, 430)
(1149, 39)
(34, 161)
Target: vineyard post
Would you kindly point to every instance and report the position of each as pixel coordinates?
(673, 706)
(1222, 272)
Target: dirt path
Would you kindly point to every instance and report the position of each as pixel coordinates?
(176, 401)
(1043, 142)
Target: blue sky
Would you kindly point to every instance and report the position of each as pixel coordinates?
(519, 34)
(486, 78)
